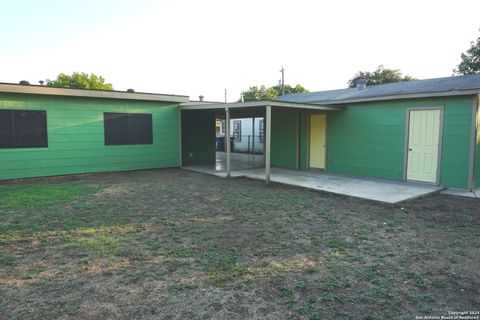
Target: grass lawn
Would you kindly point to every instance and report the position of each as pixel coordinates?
(172, 244)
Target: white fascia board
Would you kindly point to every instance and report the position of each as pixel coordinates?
(103, 94)
(254, 104)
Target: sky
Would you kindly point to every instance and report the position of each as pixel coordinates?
(194, 48)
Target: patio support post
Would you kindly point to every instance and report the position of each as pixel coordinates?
(227, 142)
(268, 130)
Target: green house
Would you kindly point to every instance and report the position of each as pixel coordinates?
(422, 130)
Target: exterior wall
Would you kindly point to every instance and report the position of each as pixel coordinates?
(198, 137)
(456, 137)
(477, 150)
(304, 139)
(284, 138)
(288, 144)
(76, 138)
(368, 139)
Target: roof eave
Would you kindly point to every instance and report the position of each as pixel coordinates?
(254, 104)
(102, 94)
(402, 96)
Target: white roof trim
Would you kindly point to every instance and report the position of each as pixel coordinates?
(253, 104)
(104, 94)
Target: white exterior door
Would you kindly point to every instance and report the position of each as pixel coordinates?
(423, 145)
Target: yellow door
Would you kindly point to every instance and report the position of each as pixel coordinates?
(317, 140)
(423, 140)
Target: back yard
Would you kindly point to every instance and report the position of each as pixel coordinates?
(172, 244)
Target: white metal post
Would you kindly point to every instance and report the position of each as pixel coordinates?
(268, 129)
(227, 141)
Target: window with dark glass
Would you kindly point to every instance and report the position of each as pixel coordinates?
(127, 128)
(23, 129)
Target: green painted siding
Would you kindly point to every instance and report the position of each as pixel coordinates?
(284, 138)
(76, 138)
(477, 163)
(477, 155)
(198, 137)
(367, 139)
(457, 131)
(303, 139)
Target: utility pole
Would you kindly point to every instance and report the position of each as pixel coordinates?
(283, 80)
(225, 95)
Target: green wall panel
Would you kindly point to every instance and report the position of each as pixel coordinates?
(456, 142)
(303, 132)
(76, 138)
(198, 137)
(284, 138)
(368, 139)
(477, 153)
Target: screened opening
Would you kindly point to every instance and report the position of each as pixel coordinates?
(127, 128)
(23, 129)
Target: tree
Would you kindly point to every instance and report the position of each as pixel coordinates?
(259, 93)
(79, 80)
(381, 75)
(263, 93)
(289, 89)
(470, 60)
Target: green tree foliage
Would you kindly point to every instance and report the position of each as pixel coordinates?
(289, 89)
(259, 93)
(381, 75)
(79, 80)
(263, 93)
(470, 60)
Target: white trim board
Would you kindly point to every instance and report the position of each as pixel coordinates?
(254, 104)
(86, 93)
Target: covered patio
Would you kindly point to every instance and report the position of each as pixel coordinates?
(286, 152)
(192, 114)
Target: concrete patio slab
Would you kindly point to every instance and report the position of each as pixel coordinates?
(240, 161)
(252, 166)
(462, 193)
(366, 188)
(372, 189)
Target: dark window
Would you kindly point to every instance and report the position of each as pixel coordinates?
(141, 128)
(23, 129)
(117, 128)
(127, 128)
